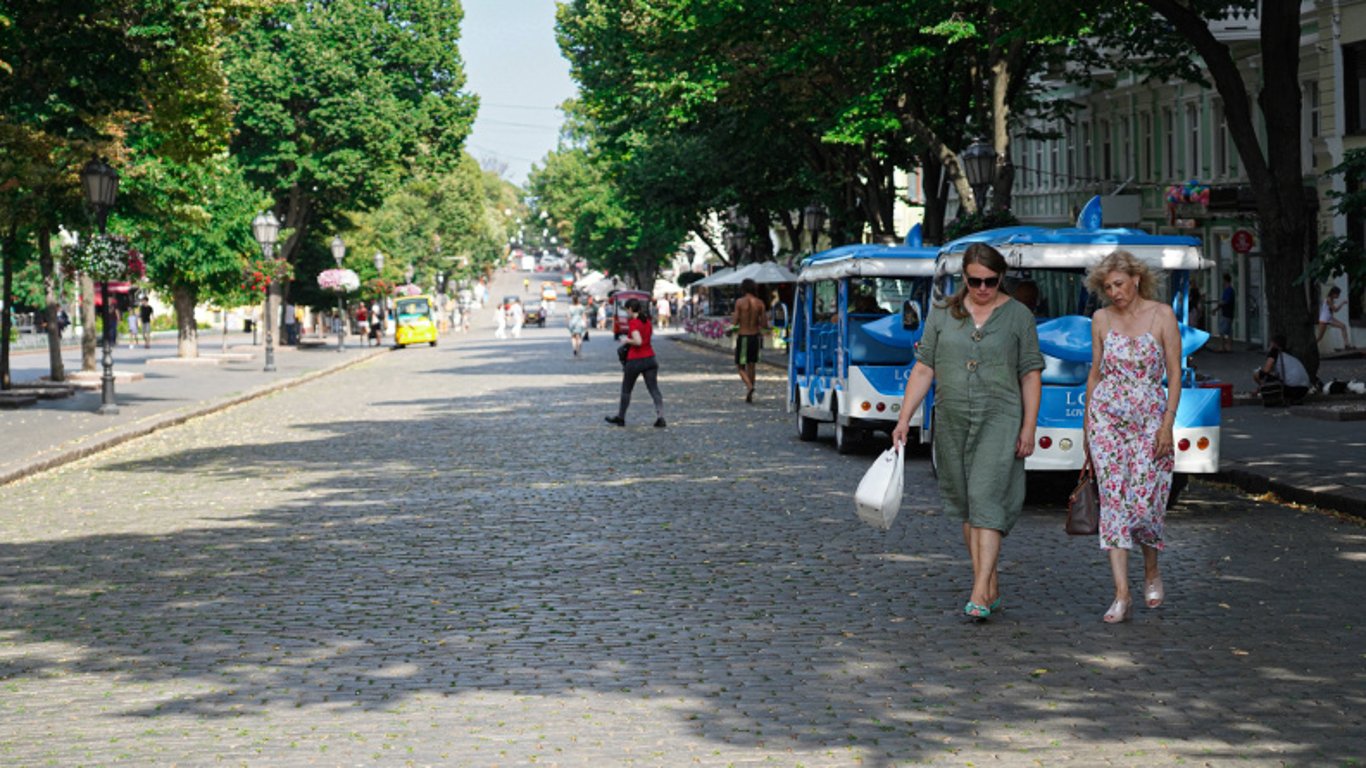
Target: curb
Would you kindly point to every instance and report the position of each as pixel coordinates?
(157, 423)
(1254, 483)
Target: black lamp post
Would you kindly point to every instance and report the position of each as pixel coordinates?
(339, 253)
(101, 186)
(813, 220)
(383, 300)
(266, 228)
(979, 166)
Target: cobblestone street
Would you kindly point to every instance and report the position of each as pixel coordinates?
(445, 557)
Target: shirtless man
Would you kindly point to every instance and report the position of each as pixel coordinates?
(750, 317)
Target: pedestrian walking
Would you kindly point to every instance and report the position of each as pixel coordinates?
(981, 349)
(291, 315)
(575, 318)
(663, 311)
(1227, 302)
(376, 325)
(1327, 309)
(517, 318)
(145, 320)
(1135, 344)
(640, 361)
(133, 328)
(500, 318)
(749, 318)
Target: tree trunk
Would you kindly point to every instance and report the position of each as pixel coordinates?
(89, 337)
(934, 183)
(52, 300)
(1275, 177)
(184, 298)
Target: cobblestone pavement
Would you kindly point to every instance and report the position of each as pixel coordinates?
(444, 557)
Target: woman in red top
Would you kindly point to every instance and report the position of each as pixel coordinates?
(640, 360)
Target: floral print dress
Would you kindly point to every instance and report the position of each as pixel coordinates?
(1126, 412)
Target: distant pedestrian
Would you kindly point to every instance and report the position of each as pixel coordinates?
(1135, 345)
(663, 311)
(981, 351)
(291, 319)
(575, 318)
(516, 318)
(500, 319)
(376, 325)
(1283, 369)
(133, 329)
(640, 361)
(750, 317)
(1196, 304)
(145, 320)
(1227, 305)
(1327, 309)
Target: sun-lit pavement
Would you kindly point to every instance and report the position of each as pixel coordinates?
(445, 557)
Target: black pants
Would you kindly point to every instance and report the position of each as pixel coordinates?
(649, 368)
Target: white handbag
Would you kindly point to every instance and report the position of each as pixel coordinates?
(878, 497)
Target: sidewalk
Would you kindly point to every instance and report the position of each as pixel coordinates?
(50, 433)
(1313, 453)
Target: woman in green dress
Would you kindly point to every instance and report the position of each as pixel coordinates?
(982, 349)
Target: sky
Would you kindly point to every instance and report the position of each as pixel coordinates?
(514, 65)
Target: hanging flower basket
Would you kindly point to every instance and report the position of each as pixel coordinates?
(338, 281)
(104, 258)
(378, 287)
(258, 273)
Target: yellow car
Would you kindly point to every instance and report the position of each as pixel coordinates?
(415, 321)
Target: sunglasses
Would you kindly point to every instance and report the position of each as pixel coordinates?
(978, 282)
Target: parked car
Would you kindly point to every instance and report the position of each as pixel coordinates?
(534, 313)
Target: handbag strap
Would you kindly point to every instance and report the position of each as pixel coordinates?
(1086, 468)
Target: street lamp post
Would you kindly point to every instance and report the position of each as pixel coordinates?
(339, 253)
(266, 228)
(101, 186)
(813, 219)
(979, 166)
(383, 300)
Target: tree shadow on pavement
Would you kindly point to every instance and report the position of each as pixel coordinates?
(402, 533)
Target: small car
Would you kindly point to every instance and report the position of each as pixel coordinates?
(533, 313)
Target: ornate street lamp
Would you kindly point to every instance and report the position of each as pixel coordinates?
(979, 166)
(383, 299)
(266, 228)
(813, 220)
(101, 186)
(339, 253)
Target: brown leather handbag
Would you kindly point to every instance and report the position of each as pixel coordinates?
(1083, 506)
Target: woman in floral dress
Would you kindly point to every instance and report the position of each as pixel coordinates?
(1129, 414)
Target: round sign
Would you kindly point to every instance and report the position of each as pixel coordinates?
(1243, 241)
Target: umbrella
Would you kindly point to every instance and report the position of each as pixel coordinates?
(665, 288)
(716, 278)
(765, 272)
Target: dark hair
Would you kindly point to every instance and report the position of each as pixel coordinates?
(637, 306)
(1335, 291)
(748, 286)
(981, 254)
(1278, 341)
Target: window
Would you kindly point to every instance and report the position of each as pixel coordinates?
(1054, 171)
(1038, 164)
(1193, 140)
(1354, 86)
(1311, 100)
(1085, 163)
(1145, 139)
(1220, 139)
(1106, 170)
(1168, 144)
(1126, 148)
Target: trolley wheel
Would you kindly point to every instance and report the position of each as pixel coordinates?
(846, 438)
(806, 428)
(1179, 481)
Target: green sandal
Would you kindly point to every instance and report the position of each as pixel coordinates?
(997, 605)
(974, 611)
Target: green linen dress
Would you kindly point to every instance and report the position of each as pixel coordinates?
(978, 408)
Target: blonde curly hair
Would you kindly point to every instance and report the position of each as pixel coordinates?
(1129, 264)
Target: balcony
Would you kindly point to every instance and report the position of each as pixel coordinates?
(1238, 24)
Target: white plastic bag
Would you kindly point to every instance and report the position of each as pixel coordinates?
(878, 497)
